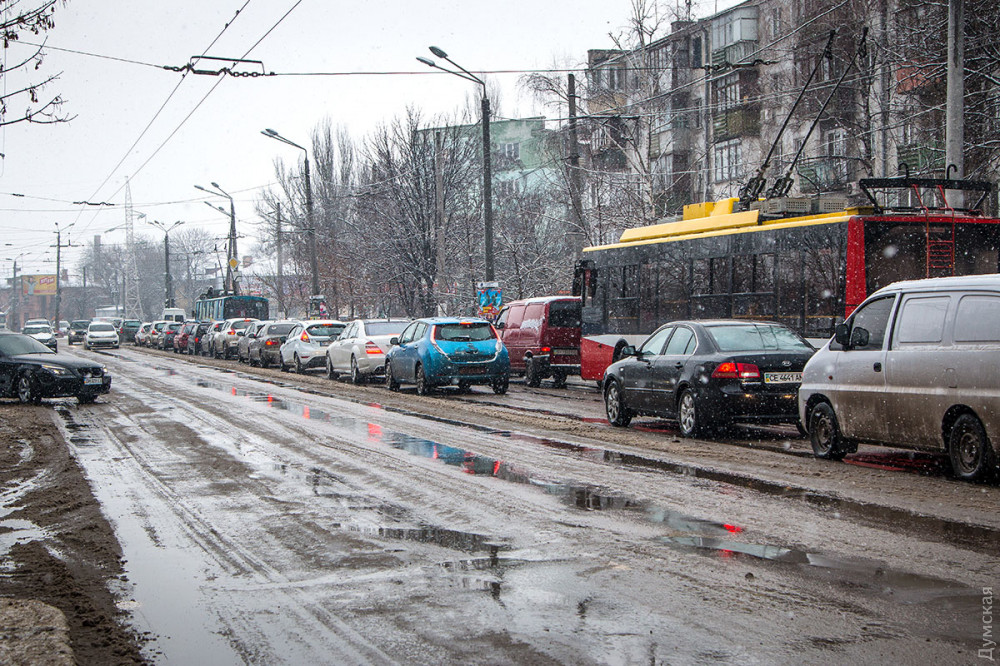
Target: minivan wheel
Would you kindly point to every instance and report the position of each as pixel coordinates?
(422, 386)
(824, 433)
(531, 376)
(688, 416)
(972, 457)
(559, 380)
(614, 406)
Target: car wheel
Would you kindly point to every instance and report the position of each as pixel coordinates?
(390, 379)
(281, 363)
(27, 389)
(559, 380)
(464, 386)
(501, 384)
(422, 386)
(356, 377)
(299, 368)
(824, 433)
(264, 362)
(614, 405)
(687, 414)
(531, 377)
(972, 457)
(331, 374)
(86, 398)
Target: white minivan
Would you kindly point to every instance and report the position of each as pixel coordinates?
(916, 366)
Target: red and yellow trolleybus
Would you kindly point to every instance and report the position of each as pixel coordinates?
(804, 262)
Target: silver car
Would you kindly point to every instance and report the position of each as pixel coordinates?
(101, 334)
(305, 345)
(43, 333)
(360, 350)
(916, 366)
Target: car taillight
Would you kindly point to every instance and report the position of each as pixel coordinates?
(545, 350)
(304, 337)
(271, 343)
(746, 372)
(372, 348)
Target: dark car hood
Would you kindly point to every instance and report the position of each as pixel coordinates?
(65, 361)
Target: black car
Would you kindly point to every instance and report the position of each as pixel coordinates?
(709, 374)
(167, 335)
(77, 330)
(30, 371)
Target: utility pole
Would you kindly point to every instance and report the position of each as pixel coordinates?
(577, 234)
(954, 150)
(281, 274)
(59, 247)
(439, 244)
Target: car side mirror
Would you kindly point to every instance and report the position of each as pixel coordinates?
(842, 335)
(240, 334)
(860, 337)
(282, 339)
(500, 325)
(394, 341)
(627, 350)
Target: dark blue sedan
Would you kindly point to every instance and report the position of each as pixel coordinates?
(441, 351)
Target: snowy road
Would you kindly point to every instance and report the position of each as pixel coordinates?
(269, 518)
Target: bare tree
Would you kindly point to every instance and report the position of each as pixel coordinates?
(34, 18)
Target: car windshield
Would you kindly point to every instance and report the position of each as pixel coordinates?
(756, 337)
(279, 329)
(464, 332)
(14, 344)
(80, 325)
(102, 327)
(328, 330)
(385, 327)
(35, 330)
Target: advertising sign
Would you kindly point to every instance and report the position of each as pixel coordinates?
(490, 298)
(38, 285)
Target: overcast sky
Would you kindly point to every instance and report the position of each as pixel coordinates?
(115, 96)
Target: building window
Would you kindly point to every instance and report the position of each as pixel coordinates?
(510, 151)
(727, 90)
(727, 160)
(776, 22)
(696, 52)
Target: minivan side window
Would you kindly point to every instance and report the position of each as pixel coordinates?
(564, 314)
(921, 320)
(515, 317)
(978, 319)
(534, 316)
(869, 324)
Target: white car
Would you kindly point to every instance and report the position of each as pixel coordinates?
(41, 332)
(101, 334)
(305, 345)
(360, 350)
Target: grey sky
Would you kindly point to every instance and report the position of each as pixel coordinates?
(113, 101)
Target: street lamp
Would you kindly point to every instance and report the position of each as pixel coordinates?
(487, 165)
(59, 247)
(310, 224)
(168, 301)
(231, 285)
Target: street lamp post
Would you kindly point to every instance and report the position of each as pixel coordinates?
(311, 226)
(232, 283)
(59, 247)
(168, 283)
(487, 160)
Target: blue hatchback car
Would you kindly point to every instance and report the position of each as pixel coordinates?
(439, 351)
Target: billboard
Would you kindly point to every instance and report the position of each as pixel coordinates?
(490, 298)
(38, 285)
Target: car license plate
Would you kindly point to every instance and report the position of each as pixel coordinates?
(471, 370)
(92, 380)
(566, 352)
(782, 377)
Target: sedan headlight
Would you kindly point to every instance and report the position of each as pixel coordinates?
(57, 370)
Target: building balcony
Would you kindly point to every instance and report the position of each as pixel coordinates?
(920, 157)
(736, 122)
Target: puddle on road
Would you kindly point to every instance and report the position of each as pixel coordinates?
(964, 535)
(14, 531)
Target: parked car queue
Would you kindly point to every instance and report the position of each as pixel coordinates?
(917, 366)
